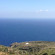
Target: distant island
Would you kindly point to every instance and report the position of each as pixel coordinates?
(29, 48)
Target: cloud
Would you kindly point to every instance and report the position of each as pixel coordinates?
(40, 11)
(43, 10)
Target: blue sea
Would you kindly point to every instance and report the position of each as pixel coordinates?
(21, 30)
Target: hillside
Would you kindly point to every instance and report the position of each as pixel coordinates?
(29, 48)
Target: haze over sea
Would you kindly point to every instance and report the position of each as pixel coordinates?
(20, 30)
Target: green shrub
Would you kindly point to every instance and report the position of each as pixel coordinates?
(45, 54)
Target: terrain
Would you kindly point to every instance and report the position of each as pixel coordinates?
(29, 48)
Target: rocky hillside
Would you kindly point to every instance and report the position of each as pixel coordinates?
(29, 48)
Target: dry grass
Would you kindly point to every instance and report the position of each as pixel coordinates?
(3, 53)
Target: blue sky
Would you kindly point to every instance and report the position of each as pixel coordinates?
(27, 8)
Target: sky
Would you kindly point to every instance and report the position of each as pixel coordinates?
(27, 8)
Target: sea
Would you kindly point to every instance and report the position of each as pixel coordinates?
(23, 30)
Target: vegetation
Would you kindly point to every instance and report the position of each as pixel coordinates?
(29, 48)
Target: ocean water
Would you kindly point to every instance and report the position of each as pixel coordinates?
(20, 30)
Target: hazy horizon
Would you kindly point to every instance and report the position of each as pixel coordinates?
(27, 8)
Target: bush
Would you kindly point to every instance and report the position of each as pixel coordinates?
(45, 54)
(52, 54)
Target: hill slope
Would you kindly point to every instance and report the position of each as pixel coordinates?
(29, 48)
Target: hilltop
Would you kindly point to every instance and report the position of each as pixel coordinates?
(29, 48)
